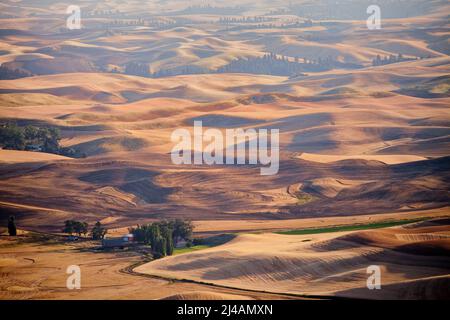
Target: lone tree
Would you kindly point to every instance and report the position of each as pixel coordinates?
(169, 245)
(12, 230)
(98, 232)
(160, 247)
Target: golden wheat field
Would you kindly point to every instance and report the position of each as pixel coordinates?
(87, 118)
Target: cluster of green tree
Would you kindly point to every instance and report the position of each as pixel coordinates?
(379, 61)
(31, 138)
(78, 227)
(7, 73)
(98, 232)
(163, 236)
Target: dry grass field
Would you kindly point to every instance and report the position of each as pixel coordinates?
(324, 264)
(34, 267)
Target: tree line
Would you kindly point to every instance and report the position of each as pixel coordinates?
(78, 227)
(255, 19)
(161, 236)
(32, 138)
(380, 61)
(70, 226)
(270, 63)
(274, 64)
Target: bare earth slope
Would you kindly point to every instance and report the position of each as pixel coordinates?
(371, 142)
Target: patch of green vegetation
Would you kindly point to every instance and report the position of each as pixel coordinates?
(190, 249)
(304, 198)
(354, 227)
(205, 243)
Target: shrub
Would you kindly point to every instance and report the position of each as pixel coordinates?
(12, 230)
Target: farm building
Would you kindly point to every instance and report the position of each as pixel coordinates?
(120, 242)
